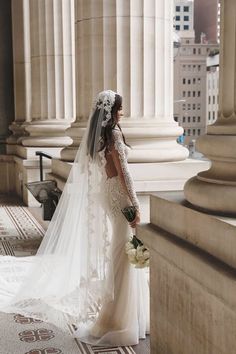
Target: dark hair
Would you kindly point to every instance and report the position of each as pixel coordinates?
(106, 138)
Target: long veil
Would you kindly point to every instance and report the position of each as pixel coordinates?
(71, 274)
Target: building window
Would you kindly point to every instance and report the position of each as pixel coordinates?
(189, 119)
(184, 119)
(194, 119)
(189, 67)
(186, 27)
(189, 81)
(189, 93)
(194, 50)
(176, 119)
(214, 115)
(194, 81)
(189, 106)
(194, 131)
(218, 99)
(194, 106)
(184, 67)
(187, 41)
(199, 67)
(177, 8)
(209, 115)
(199, 131)
(177, 18)
(177, 27)
(189, 131)
(214, 99)
(184, 94)
(199, 94)
(199, 80)
(209, 100)
(194, 93)
(186, 18)
(199, 119)
(184, 106)
(186, 8)
(194, 67)
(199, 106)
(199, 50)
(184, 81)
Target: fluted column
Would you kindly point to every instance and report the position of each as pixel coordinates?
(126, 46)
(52, 72)
(215, 189)
(22, 71)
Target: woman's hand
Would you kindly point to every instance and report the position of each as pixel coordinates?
(136, 221)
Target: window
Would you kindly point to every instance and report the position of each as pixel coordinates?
(194, 93)
(194, 50)
(194, 131)
(199, 131)
(214, 99)
(194, 106)
(189, 106)
(186, 8)
(194, 81)
(189, 93)
(184, 119)
(187, 41)
(199, 80)
(218, 99)
(199, 119)
(186, 18)
(199, 50)
(189, 131)
(189, 119)
(189, 67)
(199, 67)
(209, 115)
(189, 81)
(199, 94)
(184, 94)
(184, 81)
(176, 119)
(209, 100)
(186, 27)
(194, 67)
(199, 106)
(184, 106)
(194, 119)
(177, 27)
(177, 8)
(177, 18)
(214, 115)
(184, 67)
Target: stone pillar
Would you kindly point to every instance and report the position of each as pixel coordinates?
(52, 72)
(215, 189)
(126, 46)
(21, 67)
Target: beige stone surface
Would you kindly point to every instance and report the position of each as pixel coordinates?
(193, 304)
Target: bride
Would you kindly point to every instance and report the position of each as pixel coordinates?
(80, 275)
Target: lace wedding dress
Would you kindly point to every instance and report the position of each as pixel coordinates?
(81, 275)
(124, 319)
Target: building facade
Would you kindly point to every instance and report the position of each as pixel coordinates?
(184, 17)
(212, 88)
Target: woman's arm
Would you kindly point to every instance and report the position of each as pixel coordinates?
(121, 164)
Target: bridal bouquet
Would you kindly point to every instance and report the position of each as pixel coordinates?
(137, 253)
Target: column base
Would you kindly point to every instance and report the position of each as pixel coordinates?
(213, 197)
(150, 141)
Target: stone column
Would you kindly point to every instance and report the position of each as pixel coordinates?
(22, 71)
(52, 72)
(126, 46)
(215, 189)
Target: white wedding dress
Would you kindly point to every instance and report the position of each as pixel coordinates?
(81, 274)
(125, 319)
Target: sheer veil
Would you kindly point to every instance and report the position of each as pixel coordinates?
(71, 274)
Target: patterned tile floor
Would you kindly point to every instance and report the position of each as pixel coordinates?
(21, 231)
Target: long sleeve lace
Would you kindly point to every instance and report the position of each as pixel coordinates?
(124, 168)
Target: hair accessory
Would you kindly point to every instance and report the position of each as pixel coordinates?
(105, 100)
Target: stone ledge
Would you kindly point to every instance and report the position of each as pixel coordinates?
(211, 233)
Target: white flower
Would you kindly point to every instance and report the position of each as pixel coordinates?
(132, 256)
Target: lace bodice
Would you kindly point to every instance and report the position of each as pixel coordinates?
(122, 150)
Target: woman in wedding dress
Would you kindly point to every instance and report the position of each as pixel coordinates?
(81, 274)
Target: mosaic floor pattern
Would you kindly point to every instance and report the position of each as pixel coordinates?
(20, 235)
